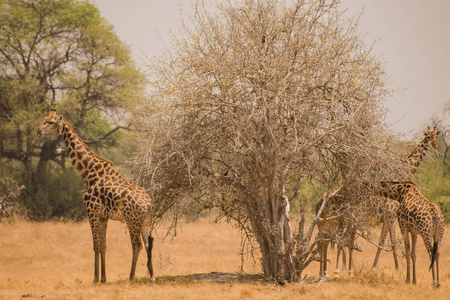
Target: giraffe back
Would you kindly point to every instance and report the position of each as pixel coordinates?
(421, 215)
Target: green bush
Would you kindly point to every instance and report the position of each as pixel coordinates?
(60, 199)
(444, 204)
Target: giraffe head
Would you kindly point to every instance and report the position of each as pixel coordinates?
(51, 123)
(431, 136)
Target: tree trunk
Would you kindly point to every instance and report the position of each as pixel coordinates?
(275, 239)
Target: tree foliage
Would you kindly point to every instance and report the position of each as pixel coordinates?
(59, 54)
(257, 99)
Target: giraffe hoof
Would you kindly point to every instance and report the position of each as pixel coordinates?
(152, 280)
(336, 273)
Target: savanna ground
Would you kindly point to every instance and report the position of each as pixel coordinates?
(55, 261)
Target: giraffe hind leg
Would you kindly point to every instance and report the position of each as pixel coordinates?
(148, 244)
(103, 227)
(437, 267)
(136, 245)
(383, 235)
(434, 267)
(323, 260)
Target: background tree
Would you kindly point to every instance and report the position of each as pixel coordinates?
(59, 54)
(257, 99)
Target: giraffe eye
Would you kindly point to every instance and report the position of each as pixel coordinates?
(51, 123)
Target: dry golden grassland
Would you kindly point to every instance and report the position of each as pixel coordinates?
(55, 261)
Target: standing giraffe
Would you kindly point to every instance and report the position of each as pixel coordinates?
(384, 213)
(108, 196)
(389, 212)
(335, 226)
(416, 215)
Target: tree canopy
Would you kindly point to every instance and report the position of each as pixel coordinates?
(258, 98)
(59, 54)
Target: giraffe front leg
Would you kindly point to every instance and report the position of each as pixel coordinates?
(413, 256)
(321, 254)
(103, 223)
(350, 255)
(325, 259)
(340, 251)
(96, 266)
(437, 269)
(344, 258)
(384, 232)
(393, 242)
(93, 221)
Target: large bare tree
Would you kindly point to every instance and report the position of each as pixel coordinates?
(255, 99)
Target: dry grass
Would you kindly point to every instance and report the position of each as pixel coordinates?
(55, 261)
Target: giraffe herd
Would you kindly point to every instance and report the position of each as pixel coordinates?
(402, 201)
(110, 196)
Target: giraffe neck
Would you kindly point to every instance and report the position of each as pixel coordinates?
(88, 164)
(418, 154)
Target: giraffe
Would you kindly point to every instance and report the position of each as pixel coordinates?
(420, 151)
(108, 196)
(335, 226)
(416, 215)
(388, 214)
(385, 213)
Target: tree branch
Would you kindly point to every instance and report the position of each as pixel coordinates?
(106, 135)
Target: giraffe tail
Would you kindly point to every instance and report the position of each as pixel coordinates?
(436, 243)
(433, 254)
(149, 257)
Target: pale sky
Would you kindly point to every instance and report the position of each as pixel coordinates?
(412, 35)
